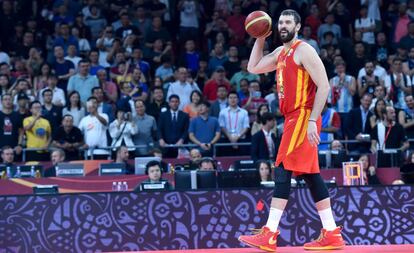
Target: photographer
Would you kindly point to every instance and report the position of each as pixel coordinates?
(122, 129)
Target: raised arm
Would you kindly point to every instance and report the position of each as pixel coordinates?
(258, 63)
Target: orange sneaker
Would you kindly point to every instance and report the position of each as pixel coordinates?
(327, 240)
(262, 238)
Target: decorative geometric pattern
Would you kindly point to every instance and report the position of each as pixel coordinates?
(195, 219)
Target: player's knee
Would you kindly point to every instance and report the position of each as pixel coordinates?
(317, 187)
(282, 176)
(282, 183)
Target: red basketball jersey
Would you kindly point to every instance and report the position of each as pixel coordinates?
(295, 87)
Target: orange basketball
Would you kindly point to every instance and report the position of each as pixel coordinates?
(258, 24)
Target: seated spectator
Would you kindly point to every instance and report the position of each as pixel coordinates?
(336, 145)
(126, 28)
(122, 129)
(69, 138)
(147, 129)
(207, 164)
(182, 88)
(51, 112)
(257, 124)
(382, 50)
(234, 121)
(157, 31)
(94, 126)
(407, 41)
(369, 171)
(158, 104)
(103, 107)
(389, 134)
(265, 143)
(83, 82)
(11, 129)
(368, 82)
(122, 156)
(58, 94)
(358, 126)
(265, 170)
(331, 124)
(7, 155)
(204, 130)
(23, 105)
(154, 171)
(195, 158)
(38, 133)
(192, 109)
(307, 37)
(74, 108)
(202, 74)
(406, 117)
(220, 103)
(377, 116)
(243, 74)
(365, 25)
(21, 86)
(64, 39)
(398, 84)
(217, 79)
(109, 88)
(329, 26)
(252, 103)
(57, 156)
(173, 127)
(156, 152)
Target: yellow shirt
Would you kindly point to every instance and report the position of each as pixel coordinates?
(38, 136)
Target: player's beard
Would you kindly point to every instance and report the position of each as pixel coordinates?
(288, 37)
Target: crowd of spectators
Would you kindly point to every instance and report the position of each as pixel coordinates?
(97, 74)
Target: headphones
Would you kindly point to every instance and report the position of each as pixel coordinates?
(151, 164)
(208, 160)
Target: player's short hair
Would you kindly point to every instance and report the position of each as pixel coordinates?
(295, 14)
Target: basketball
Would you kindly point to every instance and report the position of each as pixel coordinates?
(258, 24)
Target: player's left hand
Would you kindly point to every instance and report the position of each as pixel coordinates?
(313, 135)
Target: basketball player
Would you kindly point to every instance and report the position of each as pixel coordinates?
(303, 88)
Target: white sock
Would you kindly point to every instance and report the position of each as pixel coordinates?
(327, 219)
(274, 219)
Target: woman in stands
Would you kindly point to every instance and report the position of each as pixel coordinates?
(74, 108)
(265, 170)
(377, 116)
(192, 108)
(369, 171)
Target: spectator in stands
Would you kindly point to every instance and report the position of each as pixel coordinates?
(366, 26)
(69, 138)
(126, 28)
(40, 79)
(73, 56)
(182, 88)
(23, 105)
(398, 84)
(51, 112)
(158, 104)
(369, 171)
(156, 32)
(265, 170)
(234, 121)
(243, 74)
(64, 39)
(139, 88)
(408, 66)
(173, 126)
(232, 65)
(63, 69)
(94, 60)
(11, 129)
(407, 41)
(122, 129)
(336, 145)
(204, 130)
(190, 58)
(401, 23)
(147, 129)
(202, 74)
(357, 60)
(122, 156)
(58, 98)
(166, 70)
(137, 61)
(265, 143)
(7, 155)
(329, 26)
(83, 82)
(257, 124)
(192, 109)
(154, 171)
(382, 49)
(218, 57)
(21, 86)
(313, 20)
(358, 126)
(252, 103)
(109, 88)
(94, 126)
(220, 103)
(38, 133)
(195, 158)
(377, 116)
(368, 82)
(406, 116)
(207, 164)
(235, 24)
(57, 156)
(306, 36)
(218, 78)
(331, 124)
(103, 107)
(389, 134)
(74, 108)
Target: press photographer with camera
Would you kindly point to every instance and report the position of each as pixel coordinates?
(122, 129)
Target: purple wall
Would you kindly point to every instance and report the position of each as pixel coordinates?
(181, 220)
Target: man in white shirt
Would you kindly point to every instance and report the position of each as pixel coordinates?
(234, 123)
(182, 88)
(398, 84)
(378, 71)
(58, 94)
(93, 127)
(366, 26)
